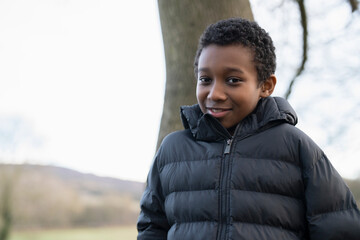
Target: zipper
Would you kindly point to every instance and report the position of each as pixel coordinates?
(224, 192)
(228, 146)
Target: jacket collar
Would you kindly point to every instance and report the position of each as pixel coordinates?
(270, 111)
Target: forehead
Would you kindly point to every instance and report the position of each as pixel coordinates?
(215, 57)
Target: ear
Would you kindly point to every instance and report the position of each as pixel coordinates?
(268, 86)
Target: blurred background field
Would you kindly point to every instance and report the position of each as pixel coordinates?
(104, 233)
(54, 203)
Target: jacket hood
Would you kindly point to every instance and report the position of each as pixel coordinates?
(269, 111)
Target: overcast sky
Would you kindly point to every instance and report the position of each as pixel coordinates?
(82, 84)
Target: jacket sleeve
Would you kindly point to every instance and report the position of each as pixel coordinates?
(331, 208)
(152, 222)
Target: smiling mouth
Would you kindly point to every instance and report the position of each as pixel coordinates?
(217, 109)
(218, 112)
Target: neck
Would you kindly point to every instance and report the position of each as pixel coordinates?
(231, 130)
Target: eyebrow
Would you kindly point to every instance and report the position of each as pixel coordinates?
(234, 70)
(228, 69)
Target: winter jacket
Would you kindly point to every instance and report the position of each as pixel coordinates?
(267, 181)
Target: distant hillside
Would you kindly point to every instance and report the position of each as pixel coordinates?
(354, 186)
(49, 196)
(90, 182)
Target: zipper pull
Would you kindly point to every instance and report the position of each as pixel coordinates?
(228, 146)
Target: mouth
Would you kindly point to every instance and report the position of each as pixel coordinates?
(218, 112)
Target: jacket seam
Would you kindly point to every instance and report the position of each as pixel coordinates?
(183, 191)
(189, 222)
(332, 212)
(161, 192)
(268, 225)
(244, 222)
(181, 161)
(322, 157)
(271, 159)
(282, 195)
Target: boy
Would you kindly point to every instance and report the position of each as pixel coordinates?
(240, 169)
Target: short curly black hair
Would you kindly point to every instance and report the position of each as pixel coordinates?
(247, 33)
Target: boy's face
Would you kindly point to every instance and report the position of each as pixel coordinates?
(227, 86)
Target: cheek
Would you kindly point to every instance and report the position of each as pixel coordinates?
(201, 97)
(200, 94)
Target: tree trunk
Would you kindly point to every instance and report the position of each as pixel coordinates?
(182, 23)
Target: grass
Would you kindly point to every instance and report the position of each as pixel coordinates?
(104, 233)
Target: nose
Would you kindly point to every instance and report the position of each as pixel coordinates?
(217, 92)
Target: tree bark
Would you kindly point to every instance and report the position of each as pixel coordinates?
(182, 23)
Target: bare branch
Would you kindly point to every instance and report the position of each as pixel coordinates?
(354, 4)
(278, 5)
(303, 19)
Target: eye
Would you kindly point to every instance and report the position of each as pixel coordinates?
(204, 80)
(233, 80)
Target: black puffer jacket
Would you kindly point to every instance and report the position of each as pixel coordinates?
(268, 181)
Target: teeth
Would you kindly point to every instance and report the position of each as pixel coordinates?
(216, 110)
